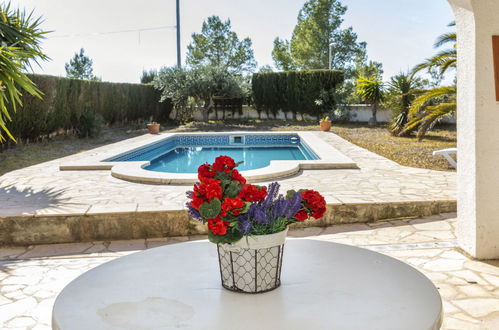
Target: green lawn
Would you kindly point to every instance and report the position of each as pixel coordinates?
(405, 151)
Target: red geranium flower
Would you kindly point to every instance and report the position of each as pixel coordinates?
(236, 176)
(231, 204)
(223, 164)
(196, 202)
(218, 226)
(252, 193)
(315, 203)
(301, 215)
(209, 188)
(204, 171)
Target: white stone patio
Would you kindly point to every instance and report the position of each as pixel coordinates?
(31, 277)
(43, 189)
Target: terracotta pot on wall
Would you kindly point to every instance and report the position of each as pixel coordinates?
(153, 128)
(325, 126)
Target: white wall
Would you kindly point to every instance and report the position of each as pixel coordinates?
(358, 113)
(477, 128)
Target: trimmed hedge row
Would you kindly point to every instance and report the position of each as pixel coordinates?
(65, 101)
(293, 91)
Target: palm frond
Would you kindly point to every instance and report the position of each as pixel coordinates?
(422, 100)
(450, 37)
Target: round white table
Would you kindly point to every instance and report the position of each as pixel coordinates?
(324, 286)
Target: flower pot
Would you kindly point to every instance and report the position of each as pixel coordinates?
(153, 128)
(253, 264)
(325, 126)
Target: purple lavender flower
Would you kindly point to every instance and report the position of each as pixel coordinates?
(260, 216)
(189, 194)
(245, 226)
(193, 212)
(279, 207)
(271, 195)
(294, 205)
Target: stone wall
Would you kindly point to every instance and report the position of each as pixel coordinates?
(30, 230)
(358, 113)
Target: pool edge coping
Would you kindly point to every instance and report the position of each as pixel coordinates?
(330, 158)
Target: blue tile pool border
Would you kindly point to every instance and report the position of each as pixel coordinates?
(154, 150)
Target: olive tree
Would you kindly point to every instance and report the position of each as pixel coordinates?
(201, 84)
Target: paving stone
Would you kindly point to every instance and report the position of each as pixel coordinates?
(130, 245)
(50, 250)
(444, 265)
(478, 307)
(491, 322)
(21, 322)
(4, 300)
(491, 267)
(303, 232)
(451, 323)
(494, 280)
(9, 252)
(19, 307)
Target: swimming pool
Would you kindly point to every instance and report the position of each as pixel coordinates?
(173, 158)
(184, 154)
(188, 159)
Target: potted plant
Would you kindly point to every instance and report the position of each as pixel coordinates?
(248, 223)
(325, 124)
(153, 127)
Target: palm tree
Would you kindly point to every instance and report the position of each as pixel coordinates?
(430, 107)
(20, 38)
(372, 90)
(402, 90)
(445, 59)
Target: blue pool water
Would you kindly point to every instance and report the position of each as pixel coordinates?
(185, 153)
(187, 160)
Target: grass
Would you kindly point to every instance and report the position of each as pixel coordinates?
(405, 151)
(60, 146)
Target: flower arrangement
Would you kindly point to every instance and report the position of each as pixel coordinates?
(233, 209)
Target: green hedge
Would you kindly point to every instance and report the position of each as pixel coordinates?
(294, 91)
(66, 100)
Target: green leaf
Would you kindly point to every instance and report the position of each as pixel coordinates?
(232, 189)
(245, 207)
(210, 210)
(290, 193)
(233, 235)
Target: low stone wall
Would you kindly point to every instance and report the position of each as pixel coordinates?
(30, 230)
(358, 113)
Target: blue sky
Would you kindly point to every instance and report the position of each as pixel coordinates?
(399, 33)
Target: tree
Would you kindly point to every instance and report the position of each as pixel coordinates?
(148, 76)
(372, 90)
(318, 27)
(80, 67)
(429, 108)
(443, 60)
(218, 46)
(281, 54)
(432, 105)
(201, 84)
(173, 84)
(265, 68)
(20, 37)
(402, 91)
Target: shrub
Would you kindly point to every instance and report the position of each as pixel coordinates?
(295, 91)
(66, 102)
(89, 124)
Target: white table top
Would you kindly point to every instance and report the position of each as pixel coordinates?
(324, 286)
